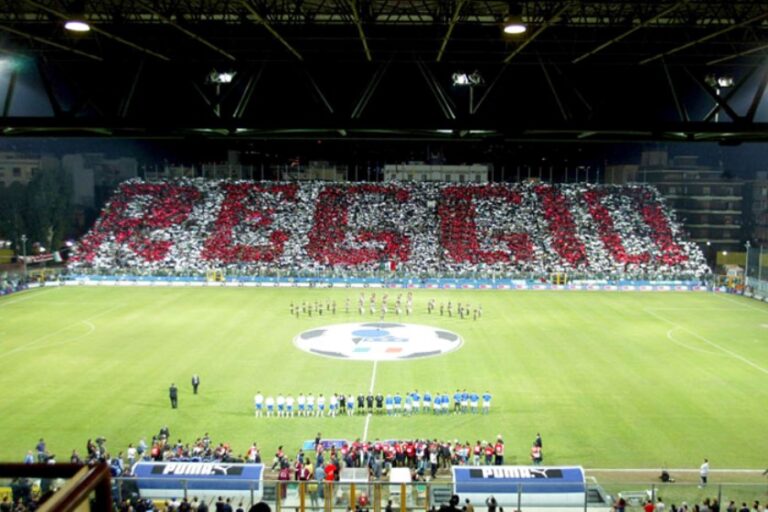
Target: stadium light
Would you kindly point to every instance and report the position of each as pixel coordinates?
(513, 23)
(461, 79)
(221, 77)
(77, 26)
(718, 82)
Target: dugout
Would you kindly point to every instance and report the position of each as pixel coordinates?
(206, 480)
(529, 487)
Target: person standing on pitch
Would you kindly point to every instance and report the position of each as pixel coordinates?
(173, 394)
(195, 383)
(704, 473)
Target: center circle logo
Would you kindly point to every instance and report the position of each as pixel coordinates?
(378, 341)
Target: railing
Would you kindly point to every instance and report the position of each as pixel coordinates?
(36, 485)
(374, 496)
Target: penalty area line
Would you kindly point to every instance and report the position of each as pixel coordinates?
(709, 342)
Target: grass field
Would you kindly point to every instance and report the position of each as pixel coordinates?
(611, 380)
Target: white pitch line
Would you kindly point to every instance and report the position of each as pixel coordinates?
(373, 377)
(741, 303)
(712, 343)
(27, 297)
(370, 390)
(36, 341)
(677, 342)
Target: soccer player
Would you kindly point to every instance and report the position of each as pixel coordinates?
(389, 401)
(416, 400)
(457, 402)
(408, 403)
(258, 403)
(426, 402)
(350, 405)
(301, 402)
(464, 402)
(486, 402)
(474, 401)
(280, 405)
(320, 405)
(270, 402)
(289, 403)
(360, 404)
(310, 405)
(446, 403)
(398, 404)
(333, 403)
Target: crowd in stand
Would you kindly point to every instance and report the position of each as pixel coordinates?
(192, 226)
(391, 404)
(317, 465)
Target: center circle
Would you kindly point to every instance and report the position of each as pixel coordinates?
(378, 341)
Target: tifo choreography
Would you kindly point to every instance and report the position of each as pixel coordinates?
(190, 226)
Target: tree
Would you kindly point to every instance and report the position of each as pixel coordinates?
(13, 213)
(49, 207)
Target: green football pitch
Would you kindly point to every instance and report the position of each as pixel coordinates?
(611, 380)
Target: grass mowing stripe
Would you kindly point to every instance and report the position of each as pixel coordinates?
(593, 372)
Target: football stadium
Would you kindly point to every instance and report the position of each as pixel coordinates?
(380, 255)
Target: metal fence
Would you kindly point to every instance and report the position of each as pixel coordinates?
(422, 496)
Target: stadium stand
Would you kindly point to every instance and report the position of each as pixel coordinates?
(187, 227)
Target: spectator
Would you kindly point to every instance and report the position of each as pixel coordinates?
(188, 226)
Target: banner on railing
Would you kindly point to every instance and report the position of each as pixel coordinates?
(526, 485)
(171, 479)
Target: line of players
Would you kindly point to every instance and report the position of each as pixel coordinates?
(374, 306)
(463, 402)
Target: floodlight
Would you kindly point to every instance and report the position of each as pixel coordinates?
(725, 81)
(475, 79)
(460, 79)
(513, 24)
(719, 81)
(77, 26)
(221, 77)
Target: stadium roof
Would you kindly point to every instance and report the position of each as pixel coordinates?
(586, 70)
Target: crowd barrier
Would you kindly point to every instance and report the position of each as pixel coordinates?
(743, 486)
(374, 496)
